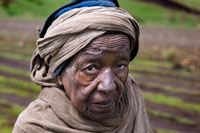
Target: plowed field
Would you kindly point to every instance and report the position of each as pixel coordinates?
(171, 91)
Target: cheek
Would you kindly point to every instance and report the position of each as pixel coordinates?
(122, 75)
(81, 92)
(121, 78)
(66, 85)
(84, 79)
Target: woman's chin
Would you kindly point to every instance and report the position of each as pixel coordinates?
(99, 116)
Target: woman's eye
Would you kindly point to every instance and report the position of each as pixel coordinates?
(121, 66)
(91, 69)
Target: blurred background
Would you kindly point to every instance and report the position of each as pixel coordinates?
(167, 67)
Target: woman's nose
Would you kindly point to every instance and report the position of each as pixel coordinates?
(107, 82)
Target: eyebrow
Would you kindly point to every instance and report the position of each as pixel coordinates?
(92, 52)
(93, 55)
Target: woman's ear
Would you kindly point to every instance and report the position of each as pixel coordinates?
(60, 80)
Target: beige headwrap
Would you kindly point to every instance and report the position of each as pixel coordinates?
(73, 31)
(53, 111)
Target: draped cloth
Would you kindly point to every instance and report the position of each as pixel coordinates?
(69, 34)
(53, 112)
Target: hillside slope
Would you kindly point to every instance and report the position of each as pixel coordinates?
(146, 13)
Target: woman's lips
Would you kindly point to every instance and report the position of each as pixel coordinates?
(103, 106)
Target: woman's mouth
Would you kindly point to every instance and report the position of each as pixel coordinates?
(103, 106)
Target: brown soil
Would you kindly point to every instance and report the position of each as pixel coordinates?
(173, 110)
(26, 30)
(162, 123)
(22, 88)
(24, 26)
(16, 99)
(186, 38)
(18, 64)
(10, 75)
(169, 81)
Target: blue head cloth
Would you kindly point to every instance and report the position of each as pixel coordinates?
(75, 4)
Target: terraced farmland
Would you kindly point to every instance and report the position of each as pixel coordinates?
(172, 95)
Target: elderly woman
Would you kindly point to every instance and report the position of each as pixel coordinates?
(81, 63)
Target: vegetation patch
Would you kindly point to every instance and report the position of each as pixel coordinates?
(152, 63)
(15, 56)
(16, 47)
(22, 93)
(154, 15)
(14, 71)
(158, 130)
(164, 69)
(145, 13)
(32, 9)
(14, 110)
(168, 116)
(172, 101)
(9, 115)
(19, 84)
(171, 89)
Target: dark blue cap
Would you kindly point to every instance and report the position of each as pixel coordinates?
(75, 4)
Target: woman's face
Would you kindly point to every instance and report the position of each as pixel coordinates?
(95, 78)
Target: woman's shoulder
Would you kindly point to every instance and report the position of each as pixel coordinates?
(28, 121)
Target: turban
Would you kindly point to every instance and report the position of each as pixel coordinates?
(73, 30)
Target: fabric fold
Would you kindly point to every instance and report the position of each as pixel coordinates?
(54, 112)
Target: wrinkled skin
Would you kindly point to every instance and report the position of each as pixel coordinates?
(95, 78)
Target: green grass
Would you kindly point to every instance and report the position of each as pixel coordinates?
(168, 116)
(166, 131)
(33, 9)
(146, 13)
(9, 47)
(19, 84)
(152, 63)
(171, 101)
(13, 110)
(15, 56)
(15, 51)
(154, 15)
(6, 129)
(172, 89)
(22, 93)
(15, 71)
(160, 68)
(9, 115)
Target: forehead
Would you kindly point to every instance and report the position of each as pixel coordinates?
(109, 42)
(109, 47)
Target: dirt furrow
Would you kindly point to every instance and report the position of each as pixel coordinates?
(10, 75)
(191, 98)
(16, 99)
(161, 123)
(173, 110)
(170, 75)
(20, 88)
(18, 64)
(165, 81)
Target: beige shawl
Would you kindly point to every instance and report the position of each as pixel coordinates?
(53, 111)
